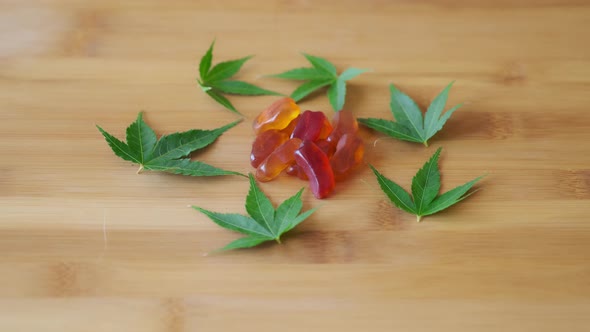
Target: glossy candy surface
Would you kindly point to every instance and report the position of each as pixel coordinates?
(277, 116)
(305, 145)
(295, 170)
(349, 154)
(311, 126)
(265, 144)
(344, 123)
(278, 160)
(328, 147)
(291, 126)
(316, 165)
(326, 129)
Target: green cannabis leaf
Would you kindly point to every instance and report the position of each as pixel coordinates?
(410, 125)
(425, 188)
(216, 81)
(321, 74)
(168, 154)
(264, 223)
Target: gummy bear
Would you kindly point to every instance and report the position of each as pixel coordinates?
(291, 126)
(343, 123)
(295, 170)
(311, 126)
(349, 153)
(326, 129)
(328, 147)
(277, 116)
(305, 145)
(278, 160)
(316, 165)
(265, 144)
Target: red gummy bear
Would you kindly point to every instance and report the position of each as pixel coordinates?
(316, 165)
(312, 126)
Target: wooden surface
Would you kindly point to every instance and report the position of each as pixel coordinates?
(88, 245)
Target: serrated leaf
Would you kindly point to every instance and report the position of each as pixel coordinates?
(322, 74)
(187, 167)
(321, 64)
(337, 94)
(351, 73)
(426, 183)
(288, 210)
(225, 70)
(435, 110)
(120, 149)
(396, 194)
(215, 81)
(450, 198)
(164, 155)
(242, 88)
(223, 101)
(267, 223)
(407, 113)
(409, 116)
(141, 138)
(425, 187)
(205, 63)
(443, 120)
(307, 88)
(433, 121)
(390, 128)
(246, 242)
(179, 145)
(236, 222)
(303, 74)
(260, 208)
(299, 219)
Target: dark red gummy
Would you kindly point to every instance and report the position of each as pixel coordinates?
(316, 165)
(310, 126)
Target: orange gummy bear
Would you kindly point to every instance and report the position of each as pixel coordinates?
(291, 126)
(276, 162)
(277, 116)
(349, 154)
(265, 144)
(343, 123)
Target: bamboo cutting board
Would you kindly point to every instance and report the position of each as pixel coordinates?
(88, 245)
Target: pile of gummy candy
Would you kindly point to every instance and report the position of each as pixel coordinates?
(305, 145)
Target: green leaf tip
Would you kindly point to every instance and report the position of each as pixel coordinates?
(410, 125)
(425, 188)
(321, 64)
(206, 60)
(264, 223)
(168, 154)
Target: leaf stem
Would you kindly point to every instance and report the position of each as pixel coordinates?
(418, 218)
(140, 169)
(278, 240)
(426, 143)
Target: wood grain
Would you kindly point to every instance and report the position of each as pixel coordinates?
(88, 245)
